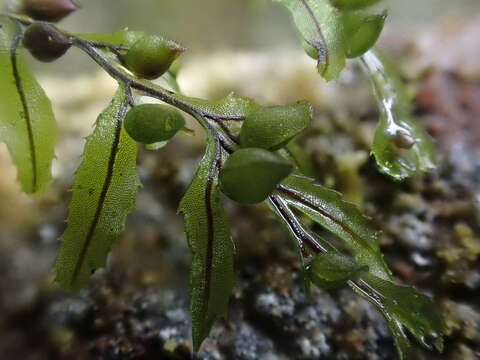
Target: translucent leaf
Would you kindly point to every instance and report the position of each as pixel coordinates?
(404, 308)
(400, 146)
(321, 27)
(361, 31)
(208, 235)
(103, 194)
(327, 208)
(331, 270)
(27, 123)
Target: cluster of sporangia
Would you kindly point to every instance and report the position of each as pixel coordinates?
(250, 174)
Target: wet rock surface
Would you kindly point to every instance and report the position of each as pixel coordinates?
(137, 309)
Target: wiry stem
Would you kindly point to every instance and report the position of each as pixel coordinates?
(227, 141)
(211, 121)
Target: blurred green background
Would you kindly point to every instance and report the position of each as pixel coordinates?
(211, 25)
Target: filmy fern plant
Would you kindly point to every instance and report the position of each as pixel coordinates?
(250, 156)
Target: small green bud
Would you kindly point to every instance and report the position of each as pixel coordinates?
(151, 56)
(272, 127)
(333, 270)
(153, 123)
(45, 42)
(48, 10)
(353, 4)
(250, 175)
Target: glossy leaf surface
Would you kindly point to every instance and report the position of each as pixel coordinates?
(27, 123)
(404, 309)
(103, 194)
(328, 209)
(208, 235)
(400, 146)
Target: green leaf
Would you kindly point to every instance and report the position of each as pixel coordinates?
(331, 270)
(120, 38)
(151, 123)
(208, 235)
(322, 28)
(231, 107)
(403, 307)
(27, 123)
(327, 208)
(250, 175)
(103, 194)
(400, 146)
(353, 4)
(361, 31)
(272, 127)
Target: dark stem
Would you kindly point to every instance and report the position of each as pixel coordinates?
(130, 81)
(301, 235)
(211, 121)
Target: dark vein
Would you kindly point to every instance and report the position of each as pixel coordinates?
(298, 197)
(106, 185)
(212, 174)
(320, 33)
(23, 100)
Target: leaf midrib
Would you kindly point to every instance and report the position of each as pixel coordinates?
(106, 185)
(298, 197)
(23, 100)
(212, 172)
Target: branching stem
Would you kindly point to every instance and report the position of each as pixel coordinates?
(211, 121)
